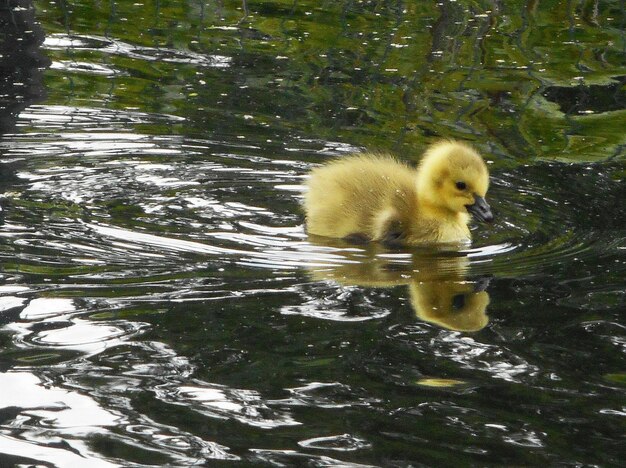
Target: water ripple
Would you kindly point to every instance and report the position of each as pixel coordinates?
(339, 443)
(125, 242)
(216, 401)
(471, 354)
(105, 45)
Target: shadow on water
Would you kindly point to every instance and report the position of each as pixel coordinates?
(161, 303)
(21, 61)
(21, 66)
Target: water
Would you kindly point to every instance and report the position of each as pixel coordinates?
(161, 303)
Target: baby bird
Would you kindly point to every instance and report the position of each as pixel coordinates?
(371, 197)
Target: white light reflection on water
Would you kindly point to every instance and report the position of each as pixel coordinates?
(305, 255)
(62, 408)
(117, 47)
(44, 307)
(49, 415)
(328, 395)
(218, 401)
(339, 443)
(526, 438)
(489, 251)
(294, 458)
(335, 303)
(472, 354)
(68, 66)
(57, 117)
(77, 455)
(99, 144)
(87, 337)
(10, 302)
(64, 330)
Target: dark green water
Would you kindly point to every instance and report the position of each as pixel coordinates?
(161, 304)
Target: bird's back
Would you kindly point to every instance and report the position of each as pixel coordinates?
(343, 196)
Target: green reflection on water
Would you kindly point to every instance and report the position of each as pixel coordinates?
(381, 75)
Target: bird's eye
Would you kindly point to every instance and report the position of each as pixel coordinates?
(461, 185)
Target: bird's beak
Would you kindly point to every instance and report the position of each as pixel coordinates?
(480, 209)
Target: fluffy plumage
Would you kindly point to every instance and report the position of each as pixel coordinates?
(374, 197)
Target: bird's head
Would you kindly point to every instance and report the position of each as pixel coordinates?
(453, 177)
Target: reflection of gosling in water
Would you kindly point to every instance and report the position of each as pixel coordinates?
(438, 288)
(374, 197)
(456, 305)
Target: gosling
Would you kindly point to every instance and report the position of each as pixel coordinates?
(373, 197)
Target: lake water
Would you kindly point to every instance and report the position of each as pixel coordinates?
(161, 303)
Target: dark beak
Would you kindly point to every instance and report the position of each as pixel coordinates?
(480, 209)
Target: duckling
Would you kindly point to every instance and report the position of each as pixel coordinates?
(374, 197)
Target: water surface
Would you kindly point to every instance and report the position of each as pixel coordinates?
(161, 303)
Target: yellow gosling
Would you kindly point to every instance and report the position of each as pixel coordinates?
(373, 197)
